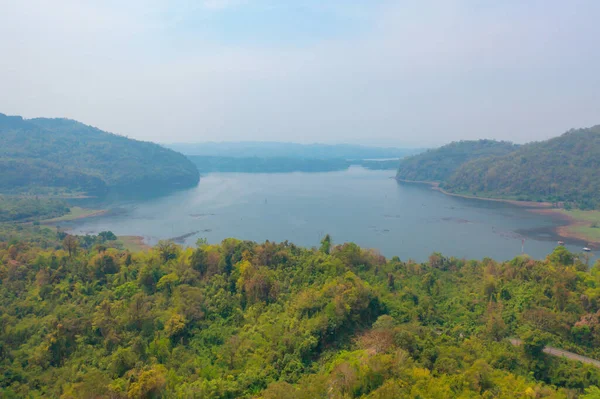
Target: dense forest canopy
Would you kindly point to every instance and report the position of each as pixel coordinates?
(565, 168)
(439, 164)
(62, 156)
(80, 317)
(25, 209)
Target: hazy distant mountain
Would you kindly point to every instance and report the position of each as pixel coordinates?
(208, 164)
(52, 156)
(439, 164)
(248, 149)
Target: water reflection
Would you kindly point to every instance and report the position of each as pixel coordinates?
(367, 207)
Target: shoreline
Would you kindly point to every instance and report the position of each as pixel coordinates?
(131, 243)
(436, 186)
(78, 214)
(566, 231)
(571, 226)
(134, 243)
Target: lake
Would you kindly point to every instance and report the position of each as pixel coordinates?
(367, 207)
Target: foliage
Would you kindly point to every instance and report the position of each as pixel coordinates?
(247, 320)
(24, 209)
(440, 164)
(563, 169)
(57, 156)
(326, 244)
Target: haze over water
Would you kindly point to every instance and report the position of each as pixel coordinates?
(366, 207)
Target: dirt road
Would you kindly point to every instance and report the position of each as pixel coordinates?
(562, 353)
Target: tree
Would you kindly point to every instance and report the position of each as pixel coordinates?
(199, 261)
(326, 244)
(534, 343)
(561, 256)
(391, 282)
(105, 264)
(107, 236)
(591, 393)
(150, 383)
(495, 327)
(190, 302)
(70, 244)
(167, 283)
(167, 249)
(175, 325)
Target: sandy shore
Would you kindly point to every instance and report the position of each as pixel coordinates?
(526, 204)
(79, 214)
(569, 229)
(134, 243)
(90, 215)
(566, 231)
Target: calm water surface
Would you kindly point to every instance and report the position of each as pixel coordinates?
(366, 207)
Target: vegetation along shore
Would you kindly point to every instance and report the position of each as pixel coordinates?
(556, 177)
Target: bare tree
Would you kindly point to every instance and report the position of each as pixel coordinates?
(70, 244)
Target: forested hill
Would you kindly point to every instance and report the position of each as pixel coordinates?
(87, 319)
(439, 164)
(51, 156)
(566, 168)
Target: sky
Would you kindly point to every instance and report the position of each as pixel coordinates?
(379, 72)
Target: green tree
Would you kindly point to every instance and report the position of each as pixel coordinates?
(591, 393)
(150, 383)
(167, 283)
(326, 244)
(168, 250)
(561, 256)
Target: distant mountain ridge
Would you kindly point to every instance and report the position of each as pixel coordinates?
(51, 156)
(251, 149)
(209, 164)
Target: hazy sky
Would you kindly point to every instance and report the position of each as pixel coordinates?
(416, 73)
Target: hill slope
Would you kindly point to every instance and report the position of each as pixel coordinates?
(565, 168)
(439, 164)
(61, 155)
(247, 320)
(30, 209)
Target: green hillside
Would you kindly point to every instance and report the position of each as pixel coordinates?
(439, 164)
(565, 168)
(58, 156)
(82, 318)
(23, 209)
